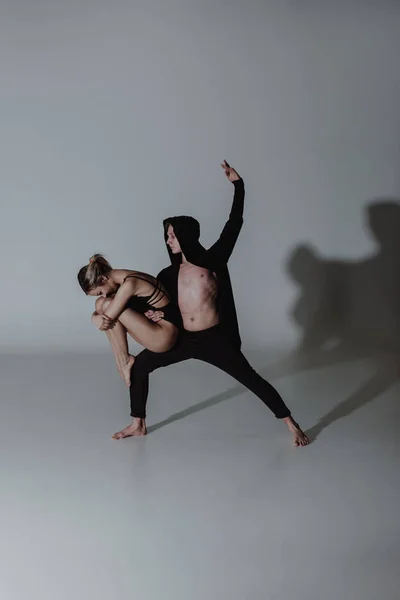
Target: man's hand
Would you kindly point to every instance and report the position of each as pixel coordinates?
(231, 174)
(154, 315)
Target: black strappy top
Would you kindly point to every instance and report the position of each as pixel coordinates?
(142, 304)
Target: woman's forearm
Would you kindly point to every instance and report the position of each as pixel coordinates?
(118, 304)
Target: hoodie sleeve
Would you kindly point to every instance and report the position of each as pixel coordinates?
(223, 247)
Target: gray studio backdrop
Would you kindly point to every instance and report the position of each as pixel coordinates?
(117, 114)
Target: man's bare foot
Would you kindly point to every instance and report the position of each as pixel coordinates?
(136, 429)
(125, 370)
(299, 437)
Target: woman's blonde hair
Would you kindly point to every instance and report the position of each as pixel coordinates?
(91, 276)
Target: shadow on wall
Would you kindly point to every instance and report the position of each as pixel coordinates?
(352, 305)
(349, 310)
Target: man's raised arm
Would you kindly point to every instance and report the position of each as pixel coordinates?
(224, 246)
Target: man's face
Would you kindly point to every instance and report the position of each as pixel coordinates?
(172, 241)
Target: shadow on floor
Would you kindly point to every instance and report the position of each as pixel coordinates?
(385, 376)
(192, 410)
(382, 380)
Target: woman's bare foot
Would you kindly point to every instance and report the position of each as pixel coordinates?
(125, 370)
(299, 437)
(137, 428)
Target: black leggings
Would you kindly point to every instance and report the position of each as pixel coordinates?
(211, 347)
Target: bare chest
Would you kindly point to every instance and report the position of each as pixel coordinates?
(196, 282)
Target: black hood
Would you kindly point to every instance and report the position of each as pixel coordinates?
(187, 232)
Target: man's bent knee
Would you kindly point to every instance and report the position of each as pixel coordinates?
(145, 363)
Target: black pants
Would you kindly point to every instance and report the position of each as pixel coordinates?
(211, 347)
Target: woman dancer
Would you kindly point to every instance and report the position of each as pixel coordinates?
(124, 297)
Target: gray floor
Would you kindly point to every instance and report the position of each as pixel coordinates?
(214, 503)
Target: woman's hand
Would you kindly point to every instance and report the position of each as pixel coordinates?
(154, 315)
(107, 323)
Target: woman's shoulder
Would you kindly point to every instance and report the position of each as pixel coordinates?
(124, 274)
(139, 279)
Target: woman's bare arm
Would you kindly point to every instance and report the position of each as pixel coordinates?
(119, 302)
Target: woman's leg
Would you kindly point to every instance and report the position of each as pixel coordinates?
(156, 337)
(118, 339)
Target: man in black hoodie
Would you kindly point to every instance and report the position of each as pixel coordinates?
(198, 281)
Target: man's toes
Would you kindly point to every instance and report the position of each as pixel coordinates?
(300, 440)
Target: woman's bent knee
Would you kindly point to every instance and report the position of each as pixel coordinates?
(97, 320)
(102, 304)
(99, 305)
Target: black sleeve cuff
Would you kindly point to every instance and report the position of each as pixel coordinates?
(238, 183)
